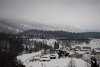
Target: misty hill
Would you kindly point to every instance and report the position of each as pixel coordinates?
(16, 26)
(34, 29)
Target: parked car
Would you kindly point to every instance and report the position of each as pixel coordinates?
(45, 58)
(37, 57)
(52, 56)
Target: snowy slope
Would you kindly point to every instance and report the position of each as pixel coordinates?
(24, 57)
(17, 25)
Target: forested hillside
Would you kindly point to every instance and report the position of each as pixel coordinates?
(59, 34)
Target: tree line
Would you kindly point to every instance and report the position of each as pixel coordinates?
(59, 34)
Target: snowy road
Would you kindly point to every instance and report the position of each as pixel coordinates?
(63, 62)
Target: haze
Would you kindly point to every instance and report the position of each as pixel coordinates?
(83, 14)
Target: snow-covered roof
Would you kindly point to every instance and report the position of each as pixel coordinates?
(95, 43)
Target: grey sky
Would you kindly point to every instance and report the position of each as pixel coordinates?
(78, 13)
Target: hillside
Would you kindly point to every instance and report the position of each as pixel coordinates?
(15, 26)
(59, 34)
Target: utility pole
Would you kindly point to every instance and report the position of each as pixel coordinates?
(86, 30)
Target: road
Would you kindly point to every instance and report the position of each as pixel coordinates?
(62, 62)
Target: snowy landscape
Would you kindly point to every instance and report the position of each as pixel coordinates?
(33, 59)
(49, 33)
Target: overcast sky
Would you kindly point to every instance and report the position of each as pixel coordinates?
(78, 13)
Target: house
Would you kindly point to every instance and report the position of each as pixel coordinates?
(94, 43)
(82, 48)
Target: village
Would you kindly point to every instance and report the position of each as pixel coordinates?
(61, 55)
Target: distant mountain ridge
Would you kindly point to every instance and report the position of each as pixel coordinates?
(20, 26)
(16, 26)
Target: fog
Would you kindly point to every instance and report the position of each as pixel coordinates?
(83, 14)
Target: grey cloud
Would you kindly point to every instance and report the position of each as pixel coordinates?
(79, 13)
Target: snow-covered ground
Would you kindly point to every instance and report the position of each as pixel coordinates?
(81, 63)
(49, 42)
(62, 62)
(26, 57)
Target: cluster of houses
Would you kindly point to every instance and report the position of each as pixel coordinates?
(92, 45)
(59, 49)
(81, 48)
